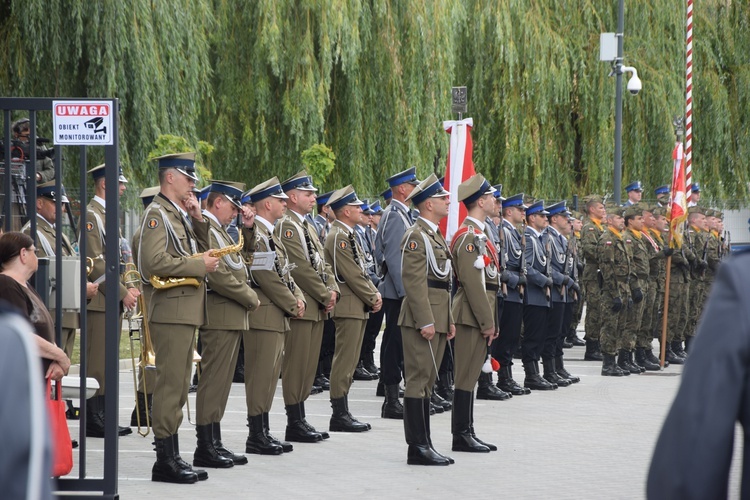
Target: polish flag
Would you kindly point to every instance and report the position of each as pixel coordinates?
(678, 203)
(459, 168)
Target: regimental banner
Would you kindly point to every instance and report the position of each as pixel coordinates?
(460, 167)
(678, 203)
(82, 123)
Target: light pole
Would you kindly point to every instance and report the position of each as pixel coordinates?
(607, 51)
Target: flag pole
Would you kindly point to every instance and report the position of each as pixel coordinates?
(689, 102)
(663, 349)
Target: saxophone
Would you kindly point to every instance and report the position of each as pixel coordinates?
(171, 282)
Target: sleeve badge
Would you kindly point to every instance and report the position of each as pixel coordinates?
(288, 234)
(152, 223)
(89, 226)
(470, 248)
(412, 245)
(343, 245)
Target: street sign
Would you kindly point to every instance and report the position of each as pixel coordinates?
(82, 123)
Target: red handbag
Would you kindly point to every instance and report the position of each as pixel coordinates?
(62, 447)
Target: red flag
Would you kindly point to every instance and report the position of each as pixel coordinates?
(459, 168)
(678, 203)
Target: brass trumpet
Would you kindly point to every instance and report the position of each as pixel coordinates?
(171, 282)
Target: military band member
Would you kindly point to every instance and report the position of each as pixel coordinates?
(638, 287)
(93, 231)
(426, 319)
(375, 321)
(475, 262)
(590, 233)
(323, 219)
(362, 232)
(397, 218)
(512, 313)
(358, 297)
(313, 276)
(280, 300)
(229, 302)
(170, 236)
(635, 193)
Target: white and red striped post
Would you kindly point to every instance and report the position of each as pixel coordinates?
(689, 102)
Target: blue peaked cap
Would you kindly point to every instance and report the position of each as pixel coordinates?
(409, 175)
(634, 186)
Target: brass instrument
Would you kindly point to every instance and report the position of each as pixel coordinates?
(171, 282)
(89, 266)
(138, 326)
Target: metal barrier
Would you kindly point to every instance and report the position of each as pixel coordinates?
(19, 204)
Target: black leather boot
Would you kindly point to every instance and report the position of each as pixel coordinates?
(439, 401)
(491, 446)
(506, 383)
(444, 387)
(323, 434)
(223, 450)
(488, 390)
(95, 419)
(461, 424)
(167, 469)
(392, 407)
(361, 374)
(593, 351)
(550, 374)
(202, 475)
(633, 364)
(296, 430)
(206, 455)
(573, 339)
(380, 389)
(415, 429)
(144, 406)
(436, 408)
(642, 360)
(562, 372)
(651, 357)
(678, 350)
(533, 380)
(257, 441)
(369, 363)
(426, 409)
(342, 420)
(623, 361)
(671, 357)
(609, 367)
(322, 382)
(286, 447)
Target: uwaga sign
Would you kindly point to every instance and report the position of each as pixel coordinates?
(80, 123)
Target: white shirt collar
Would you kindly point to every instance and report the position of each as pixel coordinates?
(299, 216)
(52, 225)
(398, 203)
(100, 201)
(347, 226)
(432, 225)
(534, 230)
(211, 216)
(268, 225)
(478, 223)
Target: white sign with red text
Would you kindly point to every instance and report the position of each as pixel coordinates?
(82, 123)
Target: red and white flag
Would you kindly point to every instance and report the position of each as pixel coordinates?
(678, 202)
(459, 168)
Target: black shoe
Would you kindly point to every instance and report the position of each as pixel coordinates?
(323, 382)
(653, 359)
(223, 451)
(95, 418)
(73, 412)
(420, 452)
(193, 388)
(202, 475)
(296, 430)
(392, 407)
(380, 389)
(487, 390)
(360, 373)
(167, 469)
(506, 383)
(206, 455)
(461, 424)
(257, 441)
(342, 420)
(641, 359)
(369, 364)
(444, 388)
(566, 344)
(573, 339)
(435, 409)
(550, 374)
(323, 434)
(562, 372)
(533, 380)
(285, 447)
(144, 406)
(609, 367)
(593, 351)
(678, 350)
(316, 389)
(439, 401)
(673, 358)
(624, 363)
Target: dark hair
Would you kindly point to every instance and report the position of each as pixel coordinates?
(11, 244)
(211, 199)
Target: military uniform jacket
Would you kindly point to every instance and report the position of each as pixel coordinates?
(560, 265)
(322, 227)
(368, 248)
(713, 255)
(681, 259)
(641, 265)
(230, 299)
(475, 301)
(698, 241)
(394, 223)
(426, 274)
(654, 247)
(513, 253)
(94, 232)
(168, 239)
(590, 235)
(312, 274)
(276, 289)
(616, 263)
(536, 270)
(358, 294)
(45, 247)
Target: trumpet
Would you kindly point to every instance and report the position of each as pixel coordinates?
(171, 282)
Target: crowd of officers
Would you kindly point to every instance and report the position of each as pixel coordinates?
(256, 268)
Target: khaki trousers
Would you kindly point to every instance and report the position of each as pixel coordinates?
(349, 335)
(262, 366)
(219, 357)
(419, 364)
(471, 352)
(301, 352)
(95, 337)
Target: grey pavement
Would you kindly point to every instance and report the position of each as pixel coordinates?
(592, 440)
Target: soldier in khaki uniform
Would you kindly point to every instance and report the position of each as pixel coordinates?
(228, 304)
(426, 319)
(170, 236)
(358, 297)
(638, 287)
(590, 233)
(476, 263)
(93, 231)
(313, 277)
(700, 240)
(280, 300)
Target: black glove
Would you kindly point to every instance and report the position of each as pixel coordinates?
(668, 252)
(575, 287)
(505, 276)
(549, 282)
(637, 295)
(521, 279)
(616, 304)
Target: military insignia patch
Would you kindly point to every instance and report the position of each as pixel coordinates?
(152, 223)
(89, 226)
(608, 243)
(628, 241)
(288, 234)
(413, 245)
(470, 247)
(342, 245)
(591, 229)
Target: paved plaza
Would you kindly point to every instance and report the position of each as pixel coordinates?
(591, 440)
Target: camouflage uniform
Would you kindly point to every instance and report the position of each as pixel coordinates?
(615, 258)
(590, 235)
(641, 269)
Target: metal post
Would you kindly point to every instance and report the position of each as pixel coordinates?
(617, 187)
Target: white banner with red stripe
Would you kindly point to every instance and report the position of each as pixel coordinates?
(460, 167)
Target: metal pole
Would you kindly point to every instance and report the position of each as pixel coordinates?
(617, 187)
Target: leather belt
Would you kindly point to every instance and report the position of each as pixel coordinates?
(442, 285)
(491, 287)
(514, 269)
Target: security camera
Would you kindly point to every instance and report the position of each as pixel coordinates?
(634, 84)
